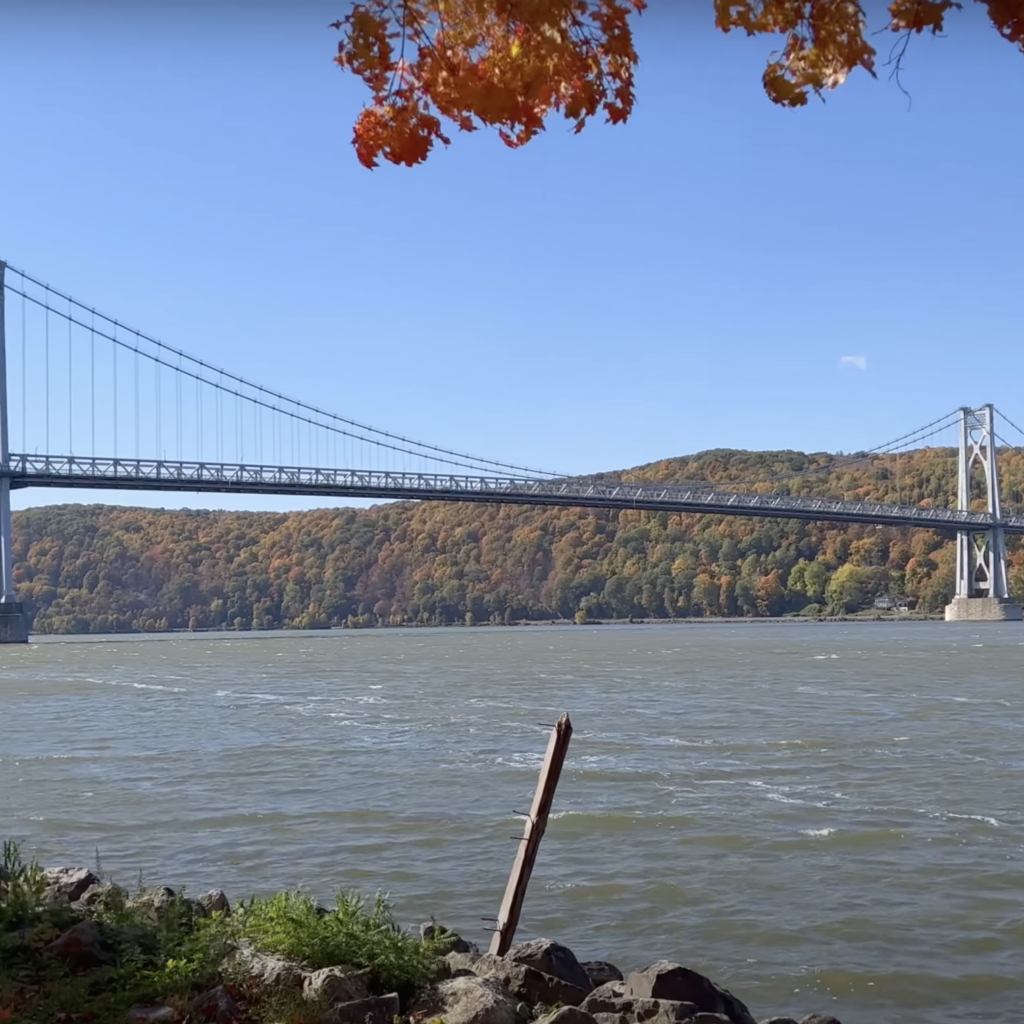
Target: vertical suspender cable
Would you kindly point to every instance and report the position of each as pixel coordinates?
(92, 380)
(47, 373)
(71, 393)
(159, 411)
(113, 347)
(137, 449)
(24, 374)
(199, 418)
(177, 389)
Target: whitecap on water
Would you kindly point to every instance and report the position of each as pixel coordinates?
(818, 833)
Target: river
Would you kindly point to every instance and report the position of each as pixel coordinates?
(822, 817)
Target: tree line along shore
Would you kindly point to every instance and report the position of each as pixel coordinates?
(106, 569)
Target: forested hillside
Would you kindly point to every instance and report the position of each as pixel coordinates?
(97, 568)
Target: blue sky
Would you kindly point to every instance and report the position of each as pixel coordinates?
(688, 281)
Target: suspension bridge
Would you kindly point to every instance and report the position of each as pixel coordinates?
(127, 411)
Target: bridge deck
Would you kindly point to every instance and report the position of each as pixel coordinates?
(216, 477)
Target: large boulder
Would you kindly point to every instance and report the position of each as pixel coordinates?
(469, 1001)
(373, 1010)
(265, 972)
(157, 902)
(334, 985)
(609, 990)
(778, 1020)
(666, 980)
(217, 1005)
(551, 958)
(81, 947)
(604, 1002)
(213, 902)
(67, 884)
(528, 984)
(819, 1018)
(101, 896)
(568, 1015)
(600, 973)
(460, 965)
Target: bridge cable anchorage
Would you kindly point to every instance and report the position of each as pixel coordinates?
(314, 411)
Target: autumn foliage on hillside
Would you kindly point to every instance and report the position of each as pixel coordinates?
(508, 64)
(102, 569)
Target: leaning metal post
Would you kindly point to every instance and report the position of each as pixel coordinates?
(13, 628)
(982, 590)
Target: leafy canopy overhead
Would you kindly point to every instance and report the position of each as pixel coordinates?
(507, 64)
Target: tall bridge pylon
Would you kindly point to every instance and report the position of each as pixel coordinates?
(982, 588)
(13, 626)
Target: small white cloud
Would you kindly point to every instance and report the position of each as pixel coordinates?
(858, 362)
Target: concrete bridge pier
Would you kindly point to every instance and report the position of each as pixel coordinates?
(982, 590)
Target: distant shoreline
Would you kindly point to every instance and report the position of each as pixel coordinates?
(546, 623)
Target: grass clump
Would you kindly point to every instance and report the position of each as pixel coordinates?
(355, 934)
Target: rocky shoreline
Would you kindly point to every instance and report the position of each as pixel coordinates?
(74, 927)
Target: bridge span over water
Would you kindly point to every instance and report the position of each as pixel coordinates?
(88, 384)
(576, 492)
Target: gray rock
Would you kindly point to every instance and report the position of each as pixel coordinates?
(81, 946)
(335, 985)
(214, 902)
(778, 1020)
(67, 884)
(101, 896)
(666, 980)
(266, 972)
(819, 1018)
(600, 973)
(708, 1018)
(150, 1014)
(217, 1006)
(156, 902)
(462, 962)
(611, 999)
(551, 958)
(611, 1018)
(609, 990)
(469, 1001)
(527, 983)
(374, 1010)
(567, 1015)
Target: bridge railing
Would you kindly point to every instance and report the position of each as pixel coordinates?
(150, 474)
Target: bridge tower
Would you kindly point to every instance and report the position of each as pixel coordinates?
(982, 591)
(13, 625)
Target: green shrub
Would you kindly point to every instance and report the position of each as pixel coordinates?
(21, 889)
(291, 925)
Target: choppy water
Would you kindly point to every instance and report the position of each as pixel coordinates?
(821, 817)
